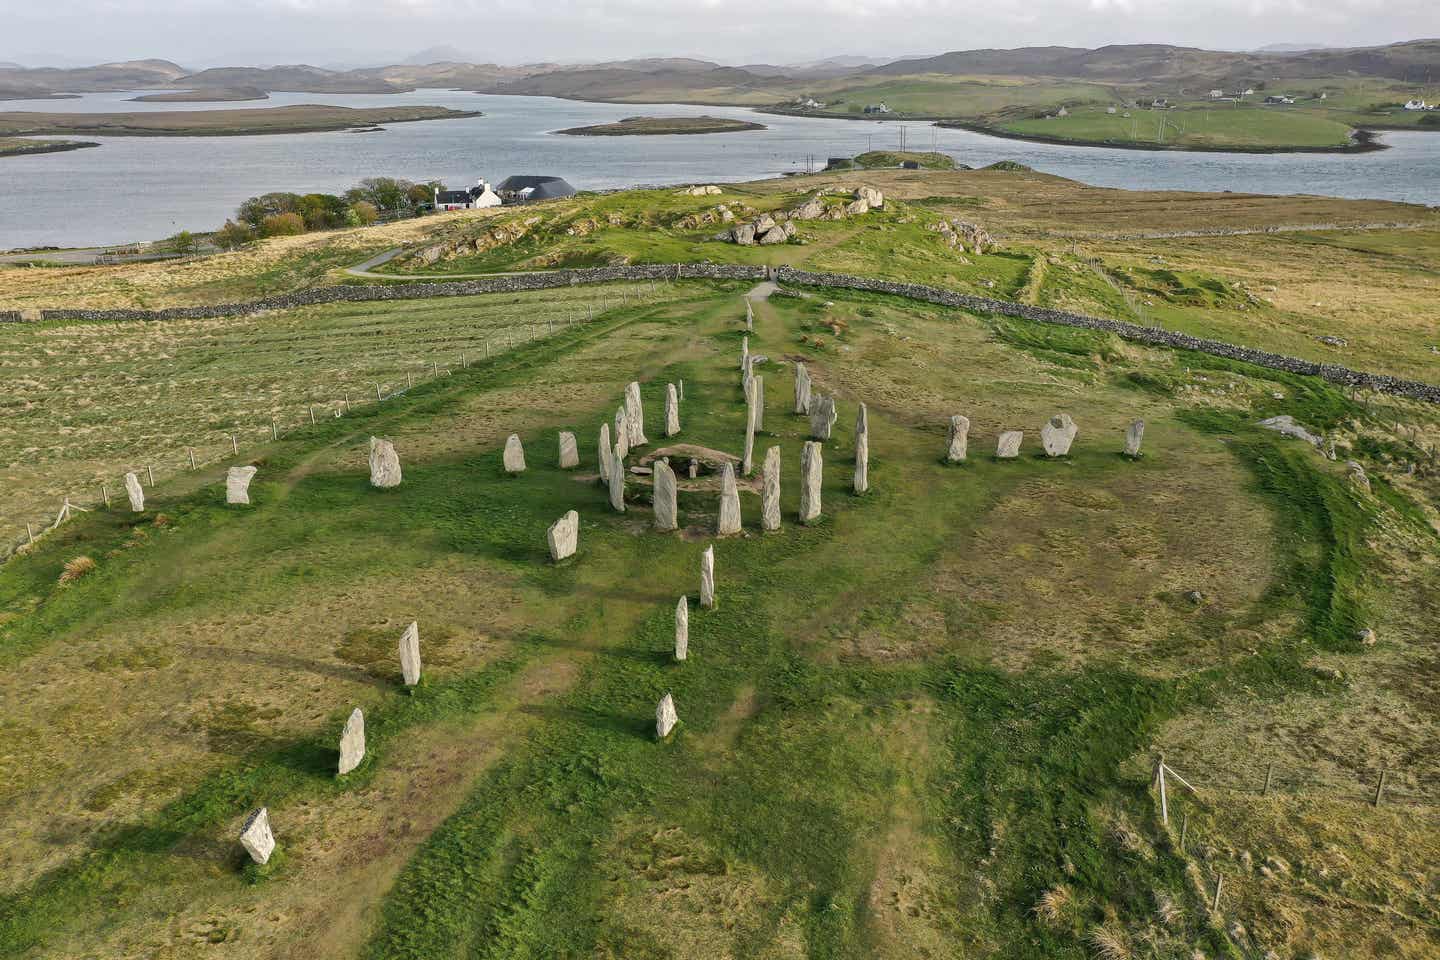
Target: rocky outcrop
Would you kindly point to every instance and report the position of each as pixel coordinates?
(965, 236)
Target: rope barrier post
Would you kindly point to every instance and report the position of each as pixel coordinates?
(105, 496)
(274, 430)
(150, 472)
(30, 533)
(1269, 778)
(1380, 788)
(312, 415)
(234, 446)
(190, 451)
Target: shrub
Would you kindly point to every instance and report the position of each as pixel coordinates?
(76, 568)
(282, 225)
(233, 235)
(364, 213)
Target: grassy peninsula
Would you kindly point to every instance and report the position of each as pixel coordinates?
(17, 146)
(662, 126)
(204, 95)
(304, 118)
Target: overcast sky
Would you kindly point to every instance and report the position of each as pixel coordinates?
(202, 33)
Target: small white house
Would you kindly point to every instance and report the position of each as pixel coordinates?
(476, 197)
(1416, 105)
(1216, 94)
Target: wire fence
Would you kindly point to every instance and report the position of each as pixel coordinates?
(1374, 785)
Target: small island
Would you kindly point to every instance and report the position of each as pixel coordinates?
(246, 121)
(204, 95)
(662, 126)
(18, 147)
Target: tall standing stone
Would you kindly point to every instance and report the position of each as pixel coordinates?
(862, 450)
(1133, 435)
(747, 459)
(1057, 435)
(1007, 447)
(672, 410)
(352, 742)
(759, 389)
(745, 356)
(770, 495)
(665, 495)
(603, 448)
(617, 480)
(135, 492)
(569, 451)
(665, 717)
(959, 442)
(410, 654)
(635, 414)
(622, 432)
(514, 454)
(822, 417)
(802, 390)
(237, 485)
(729, 522)
(563, 536)
(256, 838)
(707, 578)
(384, 464)
(811, 466)
(682, 629)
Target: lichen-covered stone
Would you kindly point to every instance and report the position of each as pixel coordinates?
(744, 355)
(237, 485)
(672, 410)
(352, 742)
(665, 717)
(811, 467)
(1133, 435)
(802, 389)
(862, 450)
(1355, 471)
(728, 523)
(410, 654)
(770, 493)
(134, 492)
(759, 389)
(617, 480)
(569, 451)
(635, 415)
(1057, 435)
(665, 494)
(603, 448)
(707, 578)
(682, 629)
(514, 454)
(822, 417)
(747, 457)
(563, 536)
(384, 464)
(256, 838)
(957, 446)
(1007, 447)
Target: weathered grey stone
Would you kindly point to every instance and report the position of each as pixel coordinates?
(770, 494)
(871, 196)
(1057, 435)
(1356, 474)
(811, 209)
(776, 234)
(1008, 446)
(410, 654)
(665, 494)
(759, 387)
(1133, 435)
(681, 390)
(744, 356)
(384, 464)
(682, 628)
(665, 717)
(617, 480)
(622, 432)
(569, 451)
(729, 521)
(352, 742)
(1366, 636)
(707, 578)
(135, 492)
(747, 457)
(237, 485)
(958, 444)
(856, 207)
(603, 448)
(744, 234)
(822, 417)
(763, 222)
(563, 536)
(694, 468)
(811, 466)
(514, 454)
(802, 390)
(256, 838)
(1285, 424)
(672, 410)
(635, 415)
(862, 450)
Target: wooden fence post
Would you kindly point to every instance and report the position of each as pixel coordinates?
(434, 369)
(234, 445)
(1160, 780)
(1184, 829)
(409, 380)
(1379, 788)
(1219, 882)
(1269, 778)
(30, 533)
(190, 451)
(312, 415)
(150, 472)
(377, 393)
(274, 430)
(463, 364)
(347, 401)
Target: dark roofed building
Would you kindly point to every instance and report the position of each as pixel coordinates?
(528, 189)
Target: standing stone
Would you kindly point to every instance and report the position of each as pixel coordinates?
(665, 717)
(707, 578)
(665, 495)
(862, 450)
(770, 496)
(959, 441)
(1133, 435)
(135, 492)
(635, 414)
(617, 480)
(759, 389)
(811, 465)
(729, 522)
(569, 451)
(822, 417)
(682, 629)
(384, 464)
(410, 654)
(1057, 435)
(622, 432)
(744, 356)
(237, 485)
(672, 410)
(514, 454)
(1008, 446)
(256, 838)
(747, 460)
(802, 390)
(563, 536)
(352, 742)
(604, 447)
(694, 468)
(681, 391)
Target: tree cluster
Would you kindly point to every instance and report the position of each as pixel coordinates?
(291, 214)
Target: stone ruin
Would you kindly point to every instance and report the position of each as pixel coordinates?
(665, 496)
(811, 465)
(1133, 435)
(514, 455)
(256, 838)
(384, 464)
(682, 629)
(672, 410)
(134, 492)
(770, 495)
(237, 485)
(958, 443)
(563, 536)
(822, 417)
(410, 654)
(665, 717)
(1058, 434)
(569, 451)
(728, 523)
(802, 390)
(1007, 447)
(707, 578)
(352, 742)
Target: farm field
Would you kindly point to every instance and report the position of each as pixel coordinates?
(1223, 125)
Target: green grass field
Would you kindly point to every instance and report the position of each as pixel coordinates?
(1220, 126)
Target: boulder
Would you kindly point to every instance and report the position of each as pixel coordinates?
(665, 717)
(957, 445)
(682, 629)
(256, 838)
(822, 417)
(770, 495)
(802, 390)
(665, 495)
(856, 207)
(1355, 472)
(1057, 435)
(672, 410)
(134, 492)
(1133, 435)
(1008, 446)
(812, 209)
(569, 451)
(237, 485)
(410, 654)
(811, 466)
(563, 536)
(707, 578)
(862, 450)
(352, 742)
(514, 454)
(635, 415)
(871, 196)
(617, 480)
(763, 223)
(775, 234)
(603, 449)
(743, 234)
(1285, 424)
(728, 523)
(384, 464)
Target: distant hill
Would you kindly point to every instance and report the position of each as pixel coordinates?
(125, 75)
(439, 54)
(630, 79)
(299, 78)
